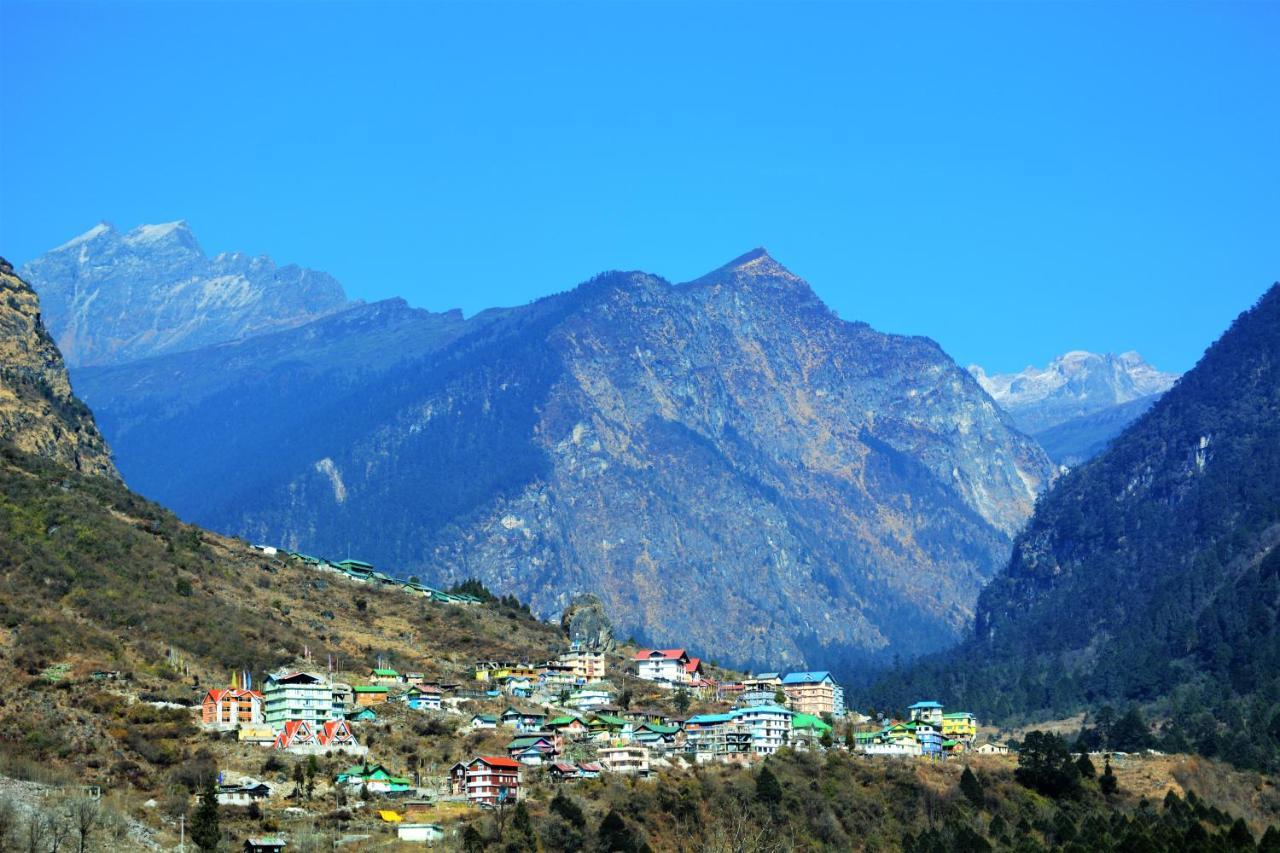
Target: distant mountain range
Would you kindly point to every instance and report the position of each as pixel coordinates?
(726, 463)
(1081, 400)
(110, 297)
(1151, 572)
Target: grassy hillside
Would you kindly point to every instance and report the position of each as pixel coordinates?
(92, 577)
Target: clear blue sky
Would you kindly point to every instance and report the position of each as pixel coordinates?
(1011, 179)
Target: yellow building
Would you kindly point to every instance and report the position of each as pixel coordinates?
(960, 725)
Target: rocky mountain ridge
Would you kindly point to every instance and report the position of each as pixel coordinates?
(112, 297)
(38, 412)
(1073, 385)
(728, 446)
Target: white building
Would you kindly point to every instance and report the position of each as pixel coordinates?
(665, 666)
(770, 726)
(298, 696)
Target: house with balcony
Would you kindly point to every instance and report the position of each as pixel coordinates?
(927, 712)
(814, 693)
(490, 779)
(295, 695)
(633, 760)
(769, 726)
(230, 708)
(590, 698)
(584, 663)
(959, 725)
(663, 666)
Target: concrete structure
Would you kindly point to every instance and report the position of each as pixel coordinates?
(298, 696)
(625, 759)
(490, 779)
(584, 664)
(928, 712)
(814, 693)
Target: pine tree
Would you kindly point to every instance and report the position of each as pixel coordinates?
(205, 832)
(1085, 766)
(1240, 838)
(972, 789)
(522, 837)
(615, 836)
(768, 791)
(1107, 781)
(564, 805)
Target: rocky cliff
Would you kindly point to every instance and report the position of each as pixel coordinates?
(38, 413)
(725, 463)
(111, 297)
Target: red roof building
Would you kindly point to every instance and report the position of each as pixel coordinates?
(490, 779)
(230, 708)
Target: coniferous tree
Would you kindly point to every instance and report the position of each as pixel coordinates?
(972, 789)
(206, 834)
(1107, 781)
(1085, 766)
(1045, 764)
(564, 805)
(614, 834)
(768, 790)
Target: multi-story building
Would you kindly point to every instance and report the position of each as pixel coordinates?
(625, 759)
(297, 696)
(960, 725)
(928, 712)
(586, 664)
(814, 693)
(665, 666)
(490, 779)
(763, 681)
(769, 725)
(590, 698)
(231, 708)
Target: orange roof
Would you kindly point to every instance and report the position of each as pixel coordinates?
(495, 761)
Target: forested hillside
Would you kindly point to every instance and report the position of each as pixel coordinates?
(1150, 575)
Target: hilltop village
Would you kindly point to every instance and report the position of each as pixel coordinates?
(592, 710)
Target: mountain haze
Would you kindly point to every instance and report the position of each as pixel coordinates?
(110, 297)
(728, 446)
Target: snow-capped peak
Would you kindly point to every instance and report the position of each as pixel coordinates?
(154, 233)
(1075, 383)
(93, 233)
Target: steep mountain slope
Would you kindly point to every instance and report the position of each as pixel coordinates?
(110, 297)
(1152, 570)
(38, 413)
(1073, 384)
(725, 447)
(1079, 439)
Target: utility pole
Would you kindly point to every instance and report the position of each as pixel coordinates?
(182, 833)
